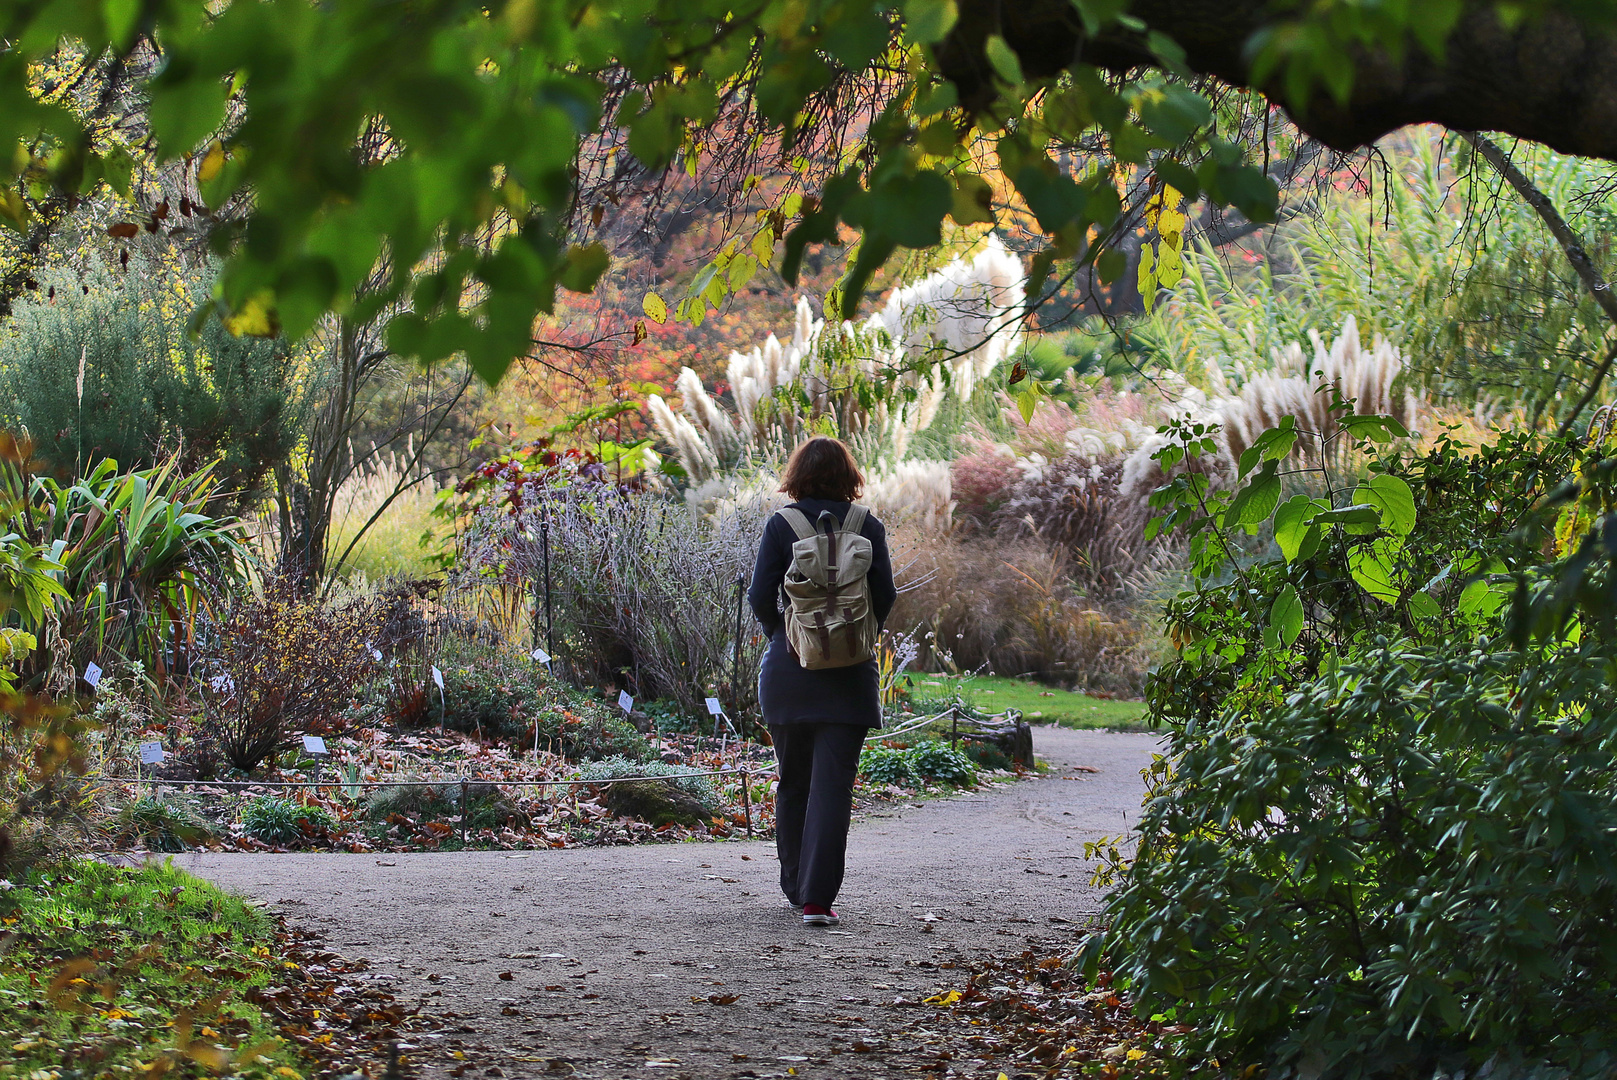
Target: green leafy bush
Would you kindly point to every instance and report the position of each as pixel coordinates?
(1380, 838)
(940, 763)
(926, 762)
(162, 825)
(486, 806)
(284, 822)
(150, 385)
(614, 768)
(887, 765)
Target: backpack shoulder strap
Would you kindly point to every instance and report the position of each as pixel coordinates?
(855, 521)
(798, 521)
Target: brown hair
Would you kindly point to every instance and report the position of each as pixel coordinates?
(822, 468)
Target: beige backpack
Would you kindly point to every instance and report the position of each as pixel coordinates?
(829, 619)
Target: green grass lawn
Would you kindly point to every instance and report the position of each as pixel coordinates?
(1039, 703)
(109, 971)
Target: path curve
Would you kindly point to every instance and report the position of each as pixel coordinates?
(607, 947)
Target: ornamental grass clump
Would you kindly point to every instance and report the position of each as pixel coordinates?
(616, 768)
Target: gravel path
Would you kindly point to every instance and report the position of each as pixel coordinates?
(586, 961)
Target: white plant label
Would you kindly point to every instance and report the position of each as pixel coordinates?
(314, 744)
(222, 684)
(437, 677)
(713, 707)
(92, 674)
(540, 656)
(376, 654)
(151, 753)
(625, 702)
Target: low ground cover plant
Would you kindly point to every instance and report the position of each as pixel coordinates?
(926, 763)
(283, 822)
(109, 970)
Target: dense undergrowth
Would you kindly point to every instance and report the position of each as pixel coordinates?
(1379, 840)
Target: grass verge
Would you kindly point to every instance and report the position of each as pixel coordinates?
(1039, 703)
(108, 971)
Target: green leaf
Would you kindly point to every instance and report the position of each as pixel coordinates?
(1351, 516)
(1373, 567)
(1291, 524)
(1256, 501)
(927, 22)
(1392, 497)
(973, 201)
(585, 265)
(1004, 59)
(1286, 614)
(1424, 606)
(1479, 598)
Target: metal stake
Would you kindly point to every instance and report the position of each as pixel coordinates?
(550, 616)
(463, 812)
(735, 663)
(746, 799)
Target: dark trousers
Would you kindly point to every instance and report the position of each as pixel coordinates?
(818, 763)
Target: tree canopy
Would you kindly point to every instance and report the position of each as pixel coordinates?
(441, 140)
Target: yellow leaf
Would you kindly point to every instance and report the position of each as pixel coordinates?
(256, 318)
(212, 161)
(655, 309)
(944, 999)
(763, 246)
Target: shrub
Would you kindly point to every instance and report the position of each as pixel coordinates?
(886, 765)
(1010, 607)
(985, 755)
(486, 806)
(151, 383)
(162, 825)
(139, 552)
(1379, 840)
(283, 664)
(940, 763)
(283, 822)
(613, 768)
(644, 589)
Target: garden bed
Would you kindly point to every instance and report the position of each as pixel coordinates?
(391, 792)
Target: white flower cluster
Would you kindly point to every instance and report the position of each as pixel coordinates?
(941, 335)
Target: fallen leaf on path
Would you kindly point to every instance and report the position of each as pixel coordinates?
(716, 999)
(507, 976)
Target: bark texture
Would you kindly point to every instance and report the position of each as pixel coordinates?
(1550, 79)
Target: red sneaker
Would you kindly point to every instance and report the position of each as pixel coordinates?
(815, 915)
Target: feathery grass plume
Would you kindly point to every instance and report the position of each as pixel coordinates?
(1369, 378)
(917, 494)
(943, 334)
(1059, 480)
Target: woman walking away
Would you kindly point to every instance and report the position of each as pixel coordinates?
(822, 589)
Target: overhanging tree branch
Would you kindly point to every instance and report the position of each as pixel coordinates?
(1571, 245)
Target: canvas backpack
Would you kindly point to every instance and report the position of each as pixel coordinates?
(830, 622)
